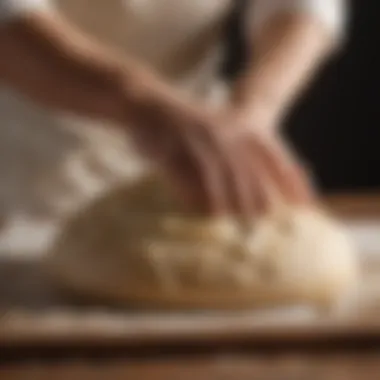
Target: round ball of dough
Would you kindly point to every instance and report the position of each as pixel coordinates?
(137, 245)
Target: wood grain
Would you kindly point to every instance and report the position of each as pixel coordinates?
(220, 367)
(354, 206)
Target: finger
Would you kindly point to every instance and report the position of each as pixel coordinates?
(235, 161)
(259, 188)
(266, 195)
(177, 161)
(210, 185)
(306, 176)
(284, 170)
(182, 175)
(193, 169)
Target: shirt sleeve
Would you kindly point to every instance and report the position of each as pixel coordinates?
(13, 8)
(333, 13)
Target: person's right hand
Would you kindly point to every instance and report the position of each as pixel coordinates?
(216, 169)
(280, 174)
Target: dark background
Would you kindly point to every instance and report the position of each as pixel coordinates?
(336, 125)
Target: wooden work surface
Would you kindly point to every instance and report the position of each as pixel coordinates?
(33, 312)
(39, 326)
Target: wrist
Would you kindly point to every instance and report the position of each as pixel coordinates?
(256, 115)
(136, 91)
(259, 100)
(148, 99)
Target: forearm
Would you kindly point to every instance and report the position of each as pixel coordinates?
(54, 64)
(288, 53)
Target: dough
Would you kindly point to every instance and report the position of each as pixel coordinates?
(137, 245)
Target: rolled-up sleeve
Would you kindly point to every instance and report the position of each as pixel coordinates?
(332, 13)
(14, 8)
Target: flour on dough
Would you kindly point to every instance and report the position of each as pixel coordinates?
(137, 245)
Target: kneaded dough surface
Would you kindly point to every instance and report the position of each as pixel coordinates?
(137, 245)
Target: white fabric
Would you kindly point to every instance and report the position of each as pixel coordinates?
(10, 8)
(332, 13)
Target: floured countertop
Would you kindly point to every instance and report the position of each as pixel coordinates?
(32, 310)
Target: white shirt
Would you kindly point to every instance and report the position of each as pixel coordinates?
(10, 8)
(330, 12)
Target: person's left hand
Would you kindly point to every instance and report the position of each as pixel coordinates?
(282, 171)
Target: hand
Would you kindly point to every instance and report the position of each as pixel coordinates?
(193, 152)
(215, 170)
(282, 177)
(280, 173)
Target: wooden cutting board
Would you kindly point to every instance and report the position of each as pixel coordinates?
(32, 312)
